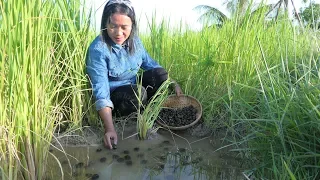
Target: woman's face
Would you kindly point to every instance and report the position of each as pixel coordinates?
(119, 28)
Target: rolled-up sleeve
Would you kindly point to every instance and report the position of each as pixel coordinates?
(97, 70)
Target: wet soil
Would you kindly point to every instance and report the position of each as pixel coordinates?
(170, 156)
(125, 127)
(169, 151)
(177, 117)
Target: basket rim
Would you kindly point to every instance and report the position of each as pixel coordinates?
(198, 114)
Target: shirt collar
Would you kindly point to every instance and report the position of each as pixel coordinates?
(118, 47)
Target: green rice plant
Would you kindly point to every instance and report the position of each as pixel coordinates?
(30, 83)
(74, 36)
(89, 111)
(27, 92)
(148, 114)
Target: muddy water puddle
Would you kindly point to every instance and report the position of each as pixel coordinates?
(167, 157)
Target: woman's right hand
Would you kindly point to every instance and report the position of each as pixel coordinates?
(110, 135)
(110, 139)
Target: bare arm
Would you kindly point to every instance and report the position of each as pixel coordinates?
(109, 134)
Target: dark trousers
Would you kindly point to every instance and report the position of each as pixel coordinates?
(124, 98)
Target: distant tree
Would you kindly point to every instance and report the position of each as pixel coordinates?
(237, 7)
(215, 17)
(311, 14)
(285, 4)
(211, 15)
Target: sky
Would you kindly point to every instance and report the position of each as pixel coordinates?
(173, 10)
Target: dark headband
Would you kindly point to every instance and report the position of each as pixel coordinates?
(125, 2)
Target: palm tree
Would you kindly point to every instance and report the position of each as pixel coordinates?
(285, 3)
(216, 16)
(237, 6)
(211, 14)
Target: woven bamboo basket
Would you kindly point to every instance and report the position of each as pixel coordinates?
(174, 101)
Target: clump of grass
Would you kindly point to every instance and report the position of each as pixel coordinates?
(148, 114)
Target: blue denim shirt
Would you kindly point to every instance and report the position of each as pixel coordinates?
(108, 70)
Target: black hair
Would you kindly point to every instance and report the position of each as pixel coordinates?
(108, 11)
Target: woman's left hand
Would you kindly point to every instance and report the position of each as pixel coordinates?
(178, 90)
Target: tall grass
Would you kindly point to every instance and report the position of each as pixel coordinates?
(257, 79)
(73, 38)
(42, 49)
